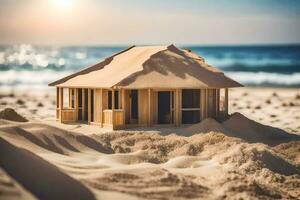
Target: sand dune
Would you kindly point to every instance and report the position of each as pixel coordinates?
(52, 163)
(11, 190)
(41, 178)
(252, 131)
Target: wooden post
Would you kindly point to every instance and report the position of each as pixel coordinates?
(226, 102)
(217, 103)
(171, 115)
(179, 106)
(113, 107)
(202, 103)
(89, 106)
(149, 108)
(76, 103)
(123, 105)
(101, 107)
(83, 103)
(176, 107)
(207, 103)
(61, 103)
(70, 96)
(57, 103)
(120, 99)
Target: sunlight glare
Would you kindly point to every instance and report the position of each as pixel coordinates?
(63, 4)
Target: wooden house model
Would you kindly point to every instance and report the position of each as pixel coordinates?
(144, 86)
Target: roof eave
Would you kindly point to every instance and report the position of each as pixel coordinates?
(54, 83)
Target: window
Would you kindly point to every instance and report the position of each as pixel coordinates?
(116, 99)
(190, 116)
(190, 106)
(222, 100)
(66, 99)
(190, 98)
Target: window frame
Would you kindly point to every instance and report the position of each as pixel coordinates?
(109, 99)
(189, 109)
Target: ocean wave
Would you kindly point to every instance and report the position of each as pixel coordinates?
(251, 61)
(29, 66)
(29, 57)
(29, 79)
(288, 69)
(40, 79)
(266, 79)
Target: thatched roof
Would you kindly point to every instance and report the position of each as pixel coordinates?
(150, 67)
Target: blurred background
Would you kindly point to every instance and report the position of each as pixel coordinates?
(255, 42)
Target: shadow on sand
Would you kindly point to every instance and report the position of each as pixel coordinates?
(41, 178)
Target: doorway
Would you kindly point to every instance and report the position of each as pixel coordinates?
(134, 107)
(164, 107)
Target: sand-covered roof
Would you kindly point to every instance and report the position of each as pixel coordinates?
(150, 67)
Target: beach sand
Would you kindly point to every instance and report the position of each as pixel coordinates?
(255, 154)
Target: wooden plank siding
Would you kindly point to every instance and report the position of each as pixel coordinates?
(98, 107)
(150, 118)
(127, 106)
(143, 107)
(203, 104)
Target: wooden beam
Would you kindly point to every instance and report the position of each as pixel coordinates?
(226, 102)
(180, 105)
(171, 113)
(123, 105)
(101, 107)
(61, 102)
(83, 103)
(113, 107)
(176, 107)
(120, 99)
(57, 103)
(76, 103)
(206, 103)
(89, 106)
(217, 103)
(70, 98)
(149, 107)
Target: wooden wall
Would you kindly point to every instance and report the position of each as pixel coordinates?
(210, 103)
(143, 107)
(98, 107)
(127, 106)
(147, 108)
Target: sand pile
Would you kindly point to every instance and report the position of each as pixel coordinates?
(290, 150)
(12, 115)
(252, 131)
(206, 126)
(146, 165)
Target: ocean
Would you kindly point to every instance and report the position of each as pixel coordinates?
(33, 67)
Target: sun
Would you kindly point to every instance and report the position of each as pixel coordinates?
(63, 4)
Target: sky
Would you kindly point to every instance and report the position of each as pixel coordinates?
(126, 22)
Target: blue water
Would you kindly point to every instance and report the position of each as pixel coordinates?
(35, 66)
